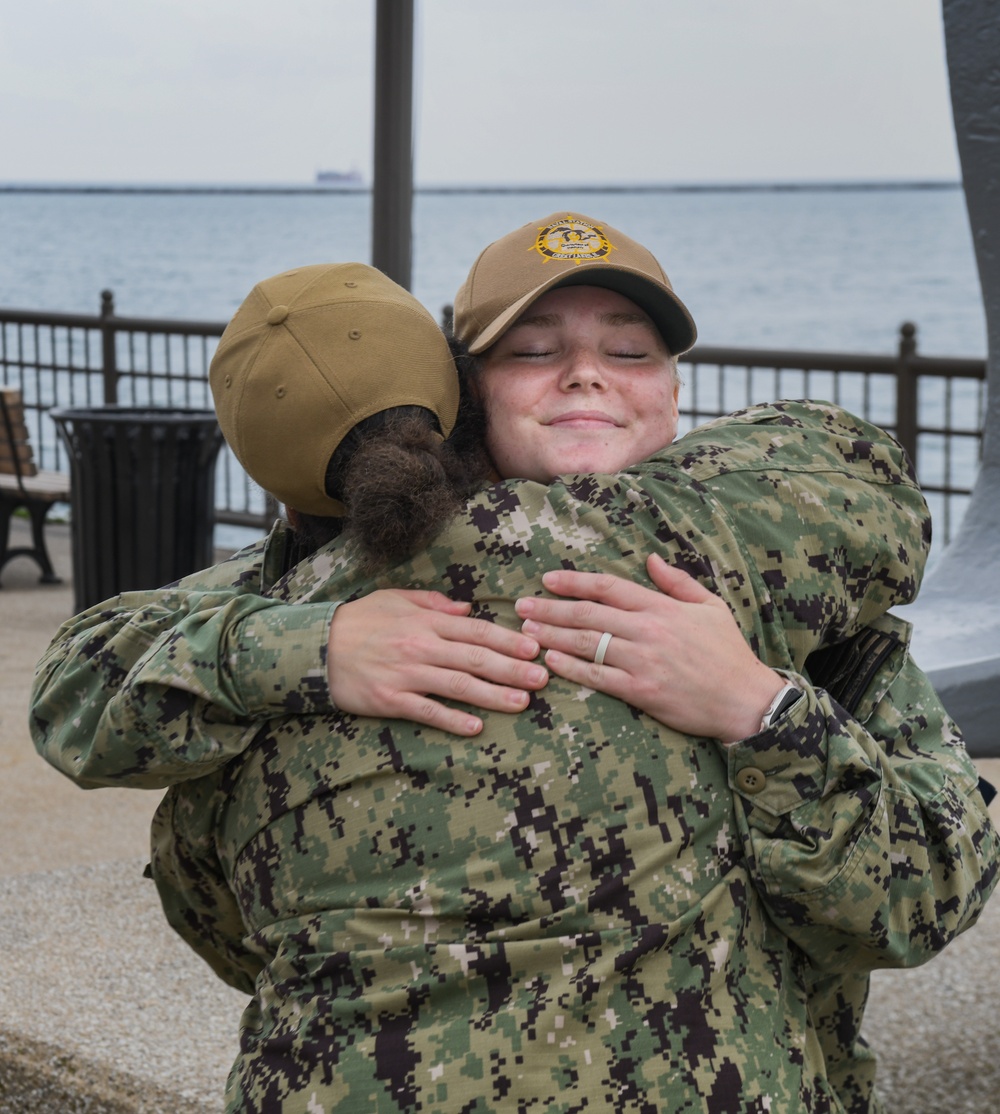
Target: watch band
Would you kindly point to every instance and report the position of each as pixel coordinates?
(786, 698)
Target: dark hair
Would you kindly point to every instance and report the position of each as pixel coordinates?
(399, 482)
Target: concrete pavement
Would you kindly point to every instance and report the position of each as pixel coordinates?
(104, 1010)
(56, 825)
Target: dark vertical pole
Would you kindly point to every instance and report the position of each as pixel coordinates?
(109, 357)
(907, 381)
(392, 196)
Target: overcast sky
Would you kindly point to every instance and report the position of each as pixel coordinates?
(508, 91)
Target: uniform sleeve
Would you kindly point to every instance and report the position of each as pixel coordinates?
(866, 834)
(157, 687)
(830, 515)
(191, 882)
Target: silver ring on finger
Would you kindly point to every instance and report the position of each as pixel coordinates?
(602, 648)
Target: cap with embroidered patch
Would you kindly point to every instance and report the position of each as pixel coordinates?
(309, 354)
(565, 249)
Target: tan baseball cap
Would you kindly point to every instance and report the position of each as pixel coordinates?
(565, 249)
(309, 354)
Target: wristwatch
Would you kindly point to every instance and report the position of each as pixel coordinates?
(788, 697)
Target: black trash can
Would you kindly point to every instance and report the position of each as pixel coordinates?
(143, 495)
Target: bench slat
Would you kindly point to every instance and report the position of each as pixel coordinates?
(22, 484)
(44, 485)
(15, 445)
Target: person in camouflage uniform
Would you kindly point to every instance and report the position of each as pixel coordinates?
(596, 897)
(583, 909)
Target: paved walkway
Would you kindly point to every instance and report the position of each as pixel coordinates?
(103, 1010)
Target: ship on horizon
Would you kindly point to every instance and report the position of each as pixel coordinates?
(340, 179)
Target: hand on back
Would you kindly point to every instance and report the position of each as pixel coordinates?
(676, 653)
(398, 653)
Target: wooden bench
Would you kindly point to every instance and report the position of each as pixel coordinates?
(23, 485)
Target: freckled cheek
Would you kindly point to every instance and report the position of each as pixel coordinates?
(652, 437)
(511, 443)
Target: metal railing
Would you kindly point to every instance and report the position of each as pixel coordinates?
(79, 360)
(934, 405)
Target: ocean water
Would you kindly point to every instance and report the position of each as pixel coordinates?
(834, 269)
(830, 269)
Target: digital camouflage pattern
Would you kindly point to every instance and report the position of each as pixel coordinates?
(580, 909)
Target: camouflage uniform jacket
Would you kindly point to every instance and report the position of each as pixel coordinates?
(580, 909)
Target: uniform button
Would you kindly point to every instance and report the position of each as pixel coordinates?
(750, 780)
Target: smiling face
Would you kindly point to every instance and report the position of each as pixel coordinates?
(581, 382)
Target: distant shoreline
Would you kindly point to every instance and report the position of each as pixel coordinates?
(338, 191)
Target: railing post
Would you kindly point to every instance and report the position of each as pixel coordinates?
(906, 391)
(109, 358)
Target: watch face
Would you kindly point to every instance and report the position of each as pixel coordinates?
(785, 700)
(790, 701)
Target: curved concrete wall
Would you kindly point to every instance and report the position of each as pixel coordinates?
(957, 617)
